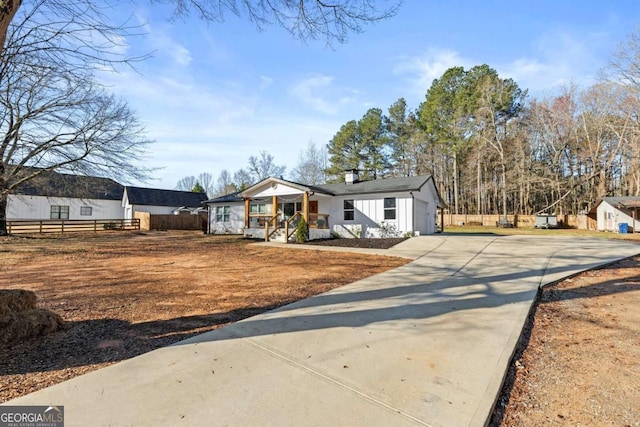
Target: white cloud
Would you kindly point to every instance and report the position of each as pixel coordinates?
(422, 70)
(265, 82)
(557, 59)
(554, 59)
(320, 93)
(306, 91)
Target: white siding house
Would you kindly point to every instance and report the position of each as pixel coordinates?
(21, 207)
(55, 195)
(613, 211)
(380, 208)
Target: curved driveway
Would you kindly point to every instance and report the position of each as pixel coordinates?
(425, 344)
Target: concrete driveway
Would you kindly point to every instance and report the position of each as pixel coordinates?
(425, 344)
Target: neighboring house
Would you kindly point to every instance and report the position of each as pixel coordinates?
(379, 208)
(613, 211)
(160, 202)
(54, 195)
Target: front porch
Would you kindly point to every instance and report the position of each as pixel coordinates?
(275, 217)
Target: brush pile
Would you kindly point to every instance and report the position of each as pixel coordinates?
(20, 319)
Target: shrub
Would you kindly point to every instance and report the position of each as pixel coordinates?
(302, 231)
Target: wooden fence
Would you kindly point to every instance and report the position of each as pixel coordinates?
(62, 226)
(572, 221)
(171, 222)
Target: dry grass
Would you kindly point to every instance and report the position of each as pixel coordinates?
(124, 294)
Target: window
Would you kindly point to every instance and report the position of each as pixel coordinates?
(258, 208)
(349, 210)
(59, 212)
(86, 210)
(223, 213)
(389, 208)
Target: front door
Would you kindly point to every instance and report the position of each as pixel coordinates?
(287, 210)
(313, 206)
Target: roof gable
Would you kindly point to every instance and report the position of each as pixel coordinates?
(272, 183)
(171, 198)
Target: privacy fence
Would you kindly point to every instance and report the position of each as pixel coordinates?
(171, 222)
(582, 222)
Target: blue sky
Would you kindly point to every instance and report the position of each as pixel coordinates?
(214, 94)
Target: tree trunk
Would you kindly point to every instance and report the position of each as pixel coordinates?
(455, 182)
(479, 184)
(8, 10)
(504, 189)
(3, 215)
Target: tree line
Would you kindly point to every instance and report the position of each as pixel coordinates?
(493, 149)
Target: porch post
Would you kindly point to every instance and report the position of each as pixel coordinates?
(247, 206)
(305, 207)
(274, 202)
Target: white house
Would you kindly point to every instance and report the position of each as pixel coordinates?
(613, 211)
(160, 202)
(55, 195)
(378, 208)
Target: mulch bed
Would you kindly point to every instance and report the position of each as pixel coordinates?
(359, 243)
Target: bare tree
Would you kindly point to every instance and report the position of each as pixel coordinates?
(263, 167)
(624, 65)
(53, 114)
(186, 183)
(311, 166)
(242, 179)
(224, 184)
(206, 180)
(303, 19)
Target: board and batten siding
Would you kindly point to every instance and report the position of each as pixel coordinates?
(369, 215)
(235, 225)
(21, 207)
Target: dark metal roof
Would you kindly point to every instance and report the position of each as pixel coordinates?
(227, 198)
(173, 198)
(54, 184)
(385, 185)
(628, 201)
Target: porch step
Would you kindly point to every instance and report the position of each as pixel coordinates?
(278, 236)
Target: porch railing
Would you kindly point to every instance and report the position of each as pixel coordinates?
(267, 233)
(291, 221)
(318, 220)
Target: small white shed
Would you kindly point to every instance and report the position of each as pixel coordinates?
(613, 211)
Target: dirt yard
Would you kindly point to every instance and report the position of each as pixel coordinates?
(125, 294)
(581, 364)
